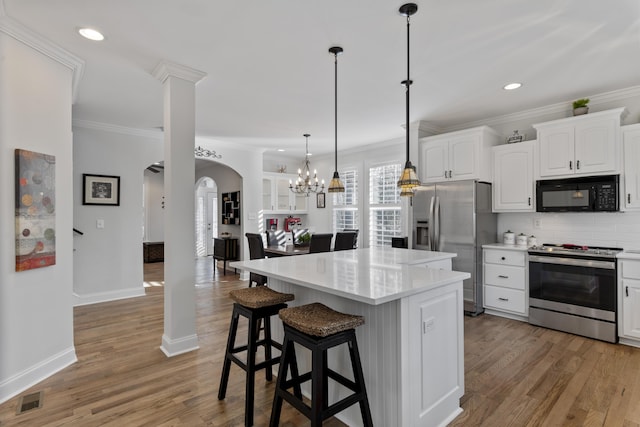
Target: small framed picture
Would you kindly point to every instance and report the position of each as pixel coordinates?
(320, 200)
(100, 190)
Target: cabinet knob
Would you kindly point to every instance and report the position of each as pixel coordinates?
(502, 276)
(503, 299)
(626, 290)
(570, 165)
(502, 258)
(628, 197)
(577, 164)
(529, 201)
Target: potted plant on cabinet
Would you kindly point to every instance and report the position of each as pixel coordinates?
(580, 106)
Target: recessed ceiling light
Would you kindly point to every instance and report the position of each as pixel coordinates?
(91, 34)
(280, 149)
(512, 86)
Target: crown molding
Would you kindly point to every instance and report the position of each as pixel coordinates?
(562, 109)
(34, 40)
(106, 127)
(166, 68)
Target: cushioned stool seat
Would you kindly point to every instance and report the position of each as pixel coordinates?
(257, 304)
(318, 328)
(259, 297)
(319, 320)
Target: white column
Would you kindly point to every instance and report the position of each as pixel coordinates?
(179, 216)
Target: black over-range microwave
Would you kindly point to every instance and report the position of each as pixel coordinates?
(585, 194)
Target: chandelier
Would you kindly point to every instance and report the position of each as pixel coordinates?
(305, 184)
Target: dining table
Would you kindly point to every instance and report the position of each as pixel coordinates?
(285, 250)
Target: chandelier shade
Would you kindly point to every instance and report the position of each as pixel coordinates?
(408, 180)
(305, 183)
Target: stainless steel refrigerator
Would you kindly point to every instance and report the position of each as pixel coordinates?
(456, 217)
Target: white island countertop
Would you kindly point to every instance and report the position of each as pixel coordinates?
(373, 275)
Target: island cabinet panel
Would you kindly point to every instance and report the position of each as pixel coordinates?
(433, 377)
(412, 352)
(629, 299)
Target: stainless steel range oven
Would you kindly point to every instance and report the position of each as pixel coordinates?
(573, 289)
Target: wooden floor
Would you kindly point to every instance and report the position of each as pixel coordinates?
(516, 374)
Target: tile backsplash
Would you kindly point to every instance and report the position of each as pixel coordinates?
(613, 229)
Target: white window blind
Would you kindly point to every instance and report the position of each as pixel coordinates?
(384, 204)
(345, 205)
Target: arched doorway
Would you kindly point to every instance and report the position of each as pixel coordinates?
(206, 209)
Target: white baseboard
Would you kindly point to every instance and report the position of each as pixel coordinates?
(21, 381)
(173, 347)
(99, 297)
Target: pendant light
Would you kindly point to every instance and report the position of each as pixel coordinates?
(336, 186)
(408, 180)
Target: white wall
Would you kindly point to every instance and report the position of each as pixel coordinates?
(153, 206)
(108, 261)
(36, 309)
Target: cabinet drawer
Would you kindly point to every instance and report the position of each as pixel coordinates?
(630, 269)
(504, 299)
(504, 257)
(504, 275)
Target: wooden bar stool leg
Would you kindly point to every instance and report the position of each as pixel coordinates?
(226, 367)
(254, 331)
(358, 375)
(318, 387)
(276, 408)
(267, 346)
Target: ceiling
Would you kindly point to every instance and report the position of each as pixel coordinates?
(270, 77)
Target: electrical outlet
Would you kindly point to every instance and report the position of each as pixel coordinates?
(428, 325)
(100, 223)
(537, 223)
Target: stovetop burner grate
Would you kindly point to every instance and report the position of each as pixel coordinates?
(572, 249)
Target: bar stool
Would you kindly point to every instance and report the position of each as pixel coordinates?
(318, 328)
(256, 304)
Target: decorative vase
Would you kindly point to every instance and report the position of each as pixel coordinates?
(580, 111)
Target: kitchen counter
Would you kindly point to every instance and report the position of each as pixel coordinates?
(630, 254)
(412, 343)
(373, 276)
(505, 247)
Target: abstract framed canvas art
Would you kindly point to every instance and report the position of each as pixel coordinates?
(35, 213)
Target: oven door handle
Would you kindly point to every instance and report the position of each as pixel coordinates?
(609, 265)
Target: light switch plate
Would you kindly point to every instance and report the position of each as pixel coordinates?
(100, 223)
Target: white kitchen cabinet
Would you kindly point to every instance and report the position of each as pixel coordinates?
(505, 274)
(277, 197)
(629, 299)
(457, 155)
(513, 177)
(581, 145)
(631, 149)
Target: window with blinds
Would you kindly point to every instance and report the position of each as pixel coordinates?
(384, 204)
(345, 205)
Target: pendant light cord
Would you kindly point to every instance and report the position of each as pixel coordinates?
(335, 89)
(408, 84)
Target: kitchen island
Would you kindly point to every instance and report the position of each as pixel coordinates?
(411, 344)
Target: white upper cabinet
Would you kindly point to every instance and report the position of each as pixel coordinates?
(278, 198)
(581, 145)
(631, 147)
(513, 177)
(458, 155)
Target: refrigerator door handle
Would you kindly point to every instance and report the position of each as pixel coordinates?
(432, 231)
(436, 225)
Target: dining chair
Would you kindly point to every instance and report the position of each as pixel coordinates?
(256, 251)
(345, 241)
(320, 243)
(276, 238)
(353, 230)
